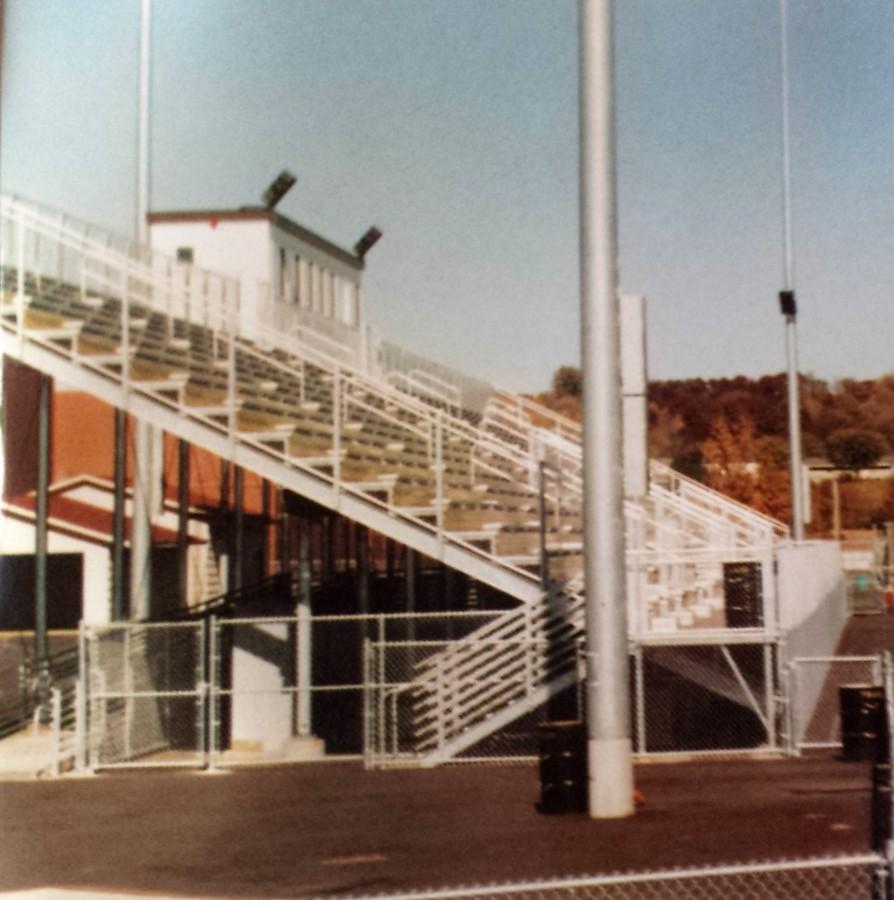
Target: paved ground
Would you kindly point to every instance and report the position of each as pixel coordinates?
(332, 829)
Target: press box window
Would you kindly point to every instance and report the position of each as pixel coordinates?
(184, 255)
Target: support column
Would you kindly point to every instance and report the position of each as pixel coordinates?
(304, 648)
(283, 535)
(183, 523)
(410, 571)
(332, 531)
(325, 548)
(120, 463)
(238, 528)
(40, 538)
(389, 560)
(223, 506)
(448, 596)
(362, 570)
(265, 517)
(610, 750)
(141, 524)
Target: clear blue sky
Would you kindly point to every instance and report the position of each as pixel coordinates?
(452, 124)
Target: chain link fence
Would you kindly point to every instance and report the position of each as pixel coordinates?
(401, 689)
(146, 694)
(814, 701)
(298, 686)
(865, 877)
(705, 699)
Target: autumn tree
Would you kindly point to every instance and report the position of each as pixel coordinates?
(746, 467)
(853, 449)
(567, 382)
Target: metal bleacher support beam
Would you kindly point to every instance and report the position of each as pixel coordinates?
(120, 476)
(40, 539)
(141, 523)
(182, 522)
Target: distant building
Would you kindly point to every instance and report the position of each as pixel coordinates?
(821, 469)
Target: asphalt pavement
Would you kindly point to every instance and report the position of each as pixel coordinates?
(334, 830)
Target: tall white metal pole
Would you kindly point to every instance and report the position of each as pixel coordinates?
(609, 745)
(787, 297)
(144, 444)
(143, 164)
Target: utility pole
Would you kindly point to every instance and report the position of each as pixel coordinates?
(609, 744)
(787, 303)
(143, 141)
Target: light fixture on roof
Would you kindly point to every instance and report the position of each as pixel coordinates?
(367, 242)
(278, 189)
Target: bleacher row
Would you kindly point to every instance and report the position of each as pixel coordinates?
(286, 403)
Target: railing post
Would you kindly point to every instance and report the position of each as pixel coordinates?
(380, 689)
(770, 696)
(336, 425)
(214, 667)
(439, 475)
(202, 692)
(60, 253)
(794, 724)
(20, 278)
(80, 701)
(231, 382)
(304, 668)
(205, 299)
(367, 705)
(56, 707)
(441, 704)
(125, 326)
(640, 687)
(169, 295)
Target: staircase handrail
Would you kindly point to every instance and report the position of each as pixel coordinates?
(660, 470)
(561, 424)
(746, 531)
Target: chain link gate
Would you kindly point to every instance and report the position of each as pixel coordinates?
(814, 707)
(146, 702)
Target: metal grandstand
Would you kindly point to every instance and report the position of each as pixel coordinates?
(396, 451)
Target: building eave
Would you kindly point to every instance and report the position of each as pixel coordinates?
(259, 214)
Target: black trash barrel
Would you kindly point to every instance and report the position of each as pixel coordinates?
(743, 593)
(862, 721)
(563, 767)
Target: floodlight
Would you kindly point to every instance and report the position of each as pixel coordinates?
(787, 304)
(278, 189)
(366, 243)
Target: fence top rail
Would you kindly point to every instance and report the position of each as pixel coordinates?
(468, 645)
(91, 628)
(834, 659)
(356, 617)
(629, 878)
